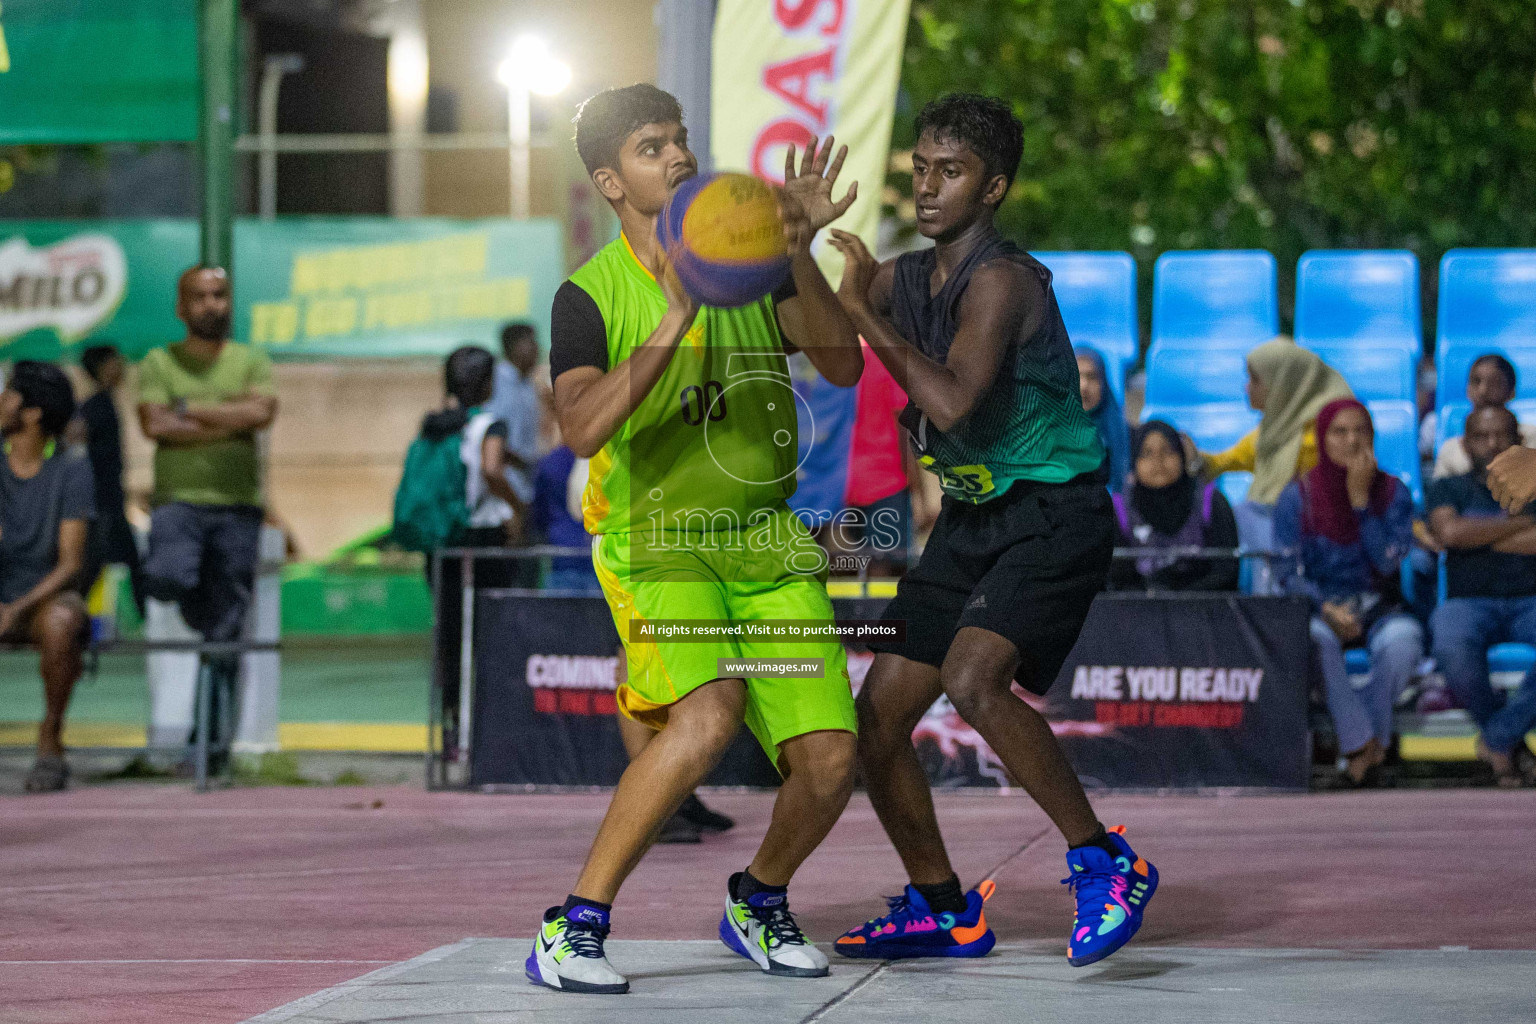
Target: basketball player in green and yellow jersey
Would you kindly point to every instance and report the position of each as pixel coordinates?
(690, 423)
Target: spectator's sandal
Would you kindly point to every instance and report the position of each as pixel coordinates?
(48, 775)
(1505, 775)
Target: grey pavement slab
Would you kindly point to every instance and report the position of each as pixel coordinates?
(481, 981)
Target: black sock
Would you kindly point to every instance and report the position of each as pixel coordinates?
(1102, 841)
(946, 897)
(573, 901)
(744, 887)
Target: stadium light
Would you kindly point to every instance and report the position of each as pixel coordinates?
(530, 69)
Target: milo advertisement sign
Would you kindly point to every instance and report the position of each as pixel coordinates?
(313, 288)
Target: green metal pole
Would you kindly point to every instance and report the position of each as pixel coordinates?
(218, 32)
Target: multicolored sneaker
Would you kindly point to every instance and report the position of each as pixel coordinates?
(1112, 893)
(568, 953)
(762, 929)
(911, 929)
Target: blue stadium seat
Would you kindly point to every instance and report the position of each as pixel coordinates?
(1214, 298)
(1097, 295)
(1234, 486)
(1511, 657)
(1214, 426)
(1357, 661)
(1453, 364)
(1397, 442)
(1196, 376)
(1373, 372)
(1358, 297)
(1452, 419)
(1487, 300)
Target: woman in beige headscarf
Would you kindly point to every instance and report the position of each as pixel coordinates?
(1289, 386)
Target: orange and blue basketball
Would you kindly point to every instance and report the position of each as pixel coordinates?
(724, 237)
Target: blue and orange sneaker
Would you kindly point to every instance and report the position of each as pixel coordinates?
(1112, 893)
(911, 929)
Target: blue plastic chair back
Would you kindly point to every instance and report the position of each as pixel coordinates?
(1196, 376)
(1214, 298)
(1397, 442)
(1213, 427)
(1096, 292)
(1375, 372)
(1453, 365)
(1358, 297)
(1487, 300)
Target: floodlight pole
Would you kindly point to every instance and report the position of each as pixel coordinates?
(218, 33)
(519, 134)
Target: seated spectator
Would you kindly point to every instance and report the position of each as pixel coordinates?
(1490, 383)
(1099, 403)
(1289, 386)
(46, 507)
(555, 518)
(1164, 506)
(1490, 569)
(1350, 526)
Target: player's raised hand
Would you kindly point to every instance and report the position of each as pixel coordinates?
(812, 183)
(859, 270)
(679, 302)
(1512, 478)
(798, 230)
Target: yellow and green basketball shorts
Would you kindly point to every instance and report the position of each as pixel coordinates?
(643, 583)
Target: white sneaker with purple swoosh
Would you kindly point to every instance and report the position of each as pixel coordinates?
(762, 929)
(568, 953)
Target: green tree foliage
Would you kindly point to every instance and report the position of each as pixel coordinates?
(1277, 124)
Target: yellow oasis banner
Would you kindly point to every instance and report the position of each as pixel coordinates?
(785, 70)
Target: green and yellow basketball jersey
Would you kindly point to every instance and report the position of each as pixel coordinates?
(715, 440)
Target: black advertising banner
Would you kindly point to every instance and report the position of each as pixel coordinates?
(1161, 692)
(545, 674)
(1188, 691)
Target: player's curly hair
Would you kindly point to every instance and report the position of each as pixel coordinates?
(605, 120)
(984, 123)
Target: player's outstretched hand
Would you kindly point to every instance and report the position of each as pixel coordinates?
(798, 230)
(1512, 478)
(812, 184)
(859, 270)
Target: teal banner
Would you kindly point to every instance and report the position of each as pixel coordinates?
(304, 289)
(77, 71)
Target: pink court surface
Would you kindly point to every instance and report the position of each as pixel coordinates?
(148, 904)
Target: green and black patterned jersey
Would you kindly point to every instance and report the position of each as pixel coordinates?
(1030, 424)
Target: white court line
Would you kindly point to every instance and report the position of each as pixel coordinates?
(249, 876)
(291, 1010)
(35, 963)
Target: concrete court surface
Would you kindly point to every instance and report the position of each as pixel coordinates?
(133, 904)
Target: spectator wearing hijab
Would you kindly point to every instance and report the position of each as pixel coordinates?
(1100, 404)
(1289, 386)
(1350, 526)
(1163, 506)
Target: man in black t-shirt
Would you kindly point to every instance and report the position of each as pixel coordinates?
(112, 541)
(1490, 591)
(45, 512)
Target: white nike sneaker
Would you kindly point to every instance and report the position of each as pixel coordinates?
(568, 953)
(764, 931)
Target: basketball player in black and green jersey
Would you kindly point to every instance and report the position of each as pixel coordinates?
(971, 330)
(689, 419)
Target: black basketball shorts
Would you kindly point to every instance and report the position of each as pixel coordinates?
(1025, 565)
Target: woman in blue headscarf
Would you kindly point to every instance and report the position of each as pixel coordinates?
(1100, 403)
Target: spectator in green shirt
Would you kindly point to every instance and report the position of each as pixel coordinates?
(202, 401)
